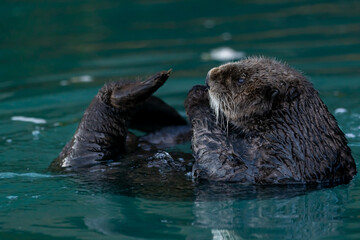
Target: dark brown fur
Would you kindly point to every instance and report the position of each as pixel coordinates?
(265, 124)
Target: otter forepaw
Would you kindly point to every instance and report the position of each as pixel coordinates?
(196, 98)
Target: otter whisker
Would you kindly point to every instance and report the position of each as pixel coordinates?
(214, 104)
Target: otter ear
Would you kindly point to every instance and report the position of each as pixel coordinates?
(272, 95)
(291, 94)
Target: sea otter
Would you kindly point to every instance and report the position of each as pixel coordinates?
(103, 135)
(259, 121)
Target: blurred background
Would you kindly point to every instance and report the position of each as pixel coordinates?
(103, 38)
(56, 54)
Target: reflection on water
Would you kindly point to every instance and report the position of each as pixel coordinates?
(310, 216)
(220, 210)
(55, 55)
(316, 215)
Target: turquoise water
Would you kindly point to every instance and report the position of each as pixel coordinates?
(55, 55)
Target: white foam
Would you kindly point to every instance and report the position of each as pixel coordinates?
(340, 110)
(84, 78)
(11, 197)
(77, 79)
(220, 234)
(223, 54)
(350, 135)
(35, 133)
(28, 119)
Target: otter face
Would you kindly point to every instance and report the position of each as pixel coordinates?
(252, 88)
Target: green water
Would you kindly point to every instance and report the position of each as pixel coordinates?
(55, 55)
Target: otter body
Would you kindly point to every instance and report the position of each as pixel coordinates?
(259, 121)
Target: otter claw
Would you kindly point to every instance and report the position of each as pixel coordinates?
(198, 91)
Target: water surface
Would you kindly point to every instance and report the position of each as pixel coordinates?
(55, 55)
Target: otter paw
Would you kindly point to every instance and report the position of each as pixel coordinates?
(197, 98)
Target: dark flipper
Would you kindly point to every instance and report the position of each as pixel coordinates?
(133, 94)
(102, 132)
(155, 114)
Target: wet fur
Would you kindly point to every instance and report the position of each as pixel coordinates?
(277, 131)
(103, 135)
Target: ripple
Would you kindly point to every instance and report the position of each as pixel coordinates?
(5, 175)
(78, 79)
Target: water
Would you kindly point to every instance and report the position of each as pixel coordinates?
(55, 55)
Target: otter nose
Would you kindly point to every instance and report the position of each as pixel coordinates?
(208, 76)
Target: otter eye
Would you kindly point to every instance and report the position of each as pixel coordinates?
(241, 80)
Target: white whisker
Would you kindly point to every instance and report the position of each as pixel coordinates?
(222, 107)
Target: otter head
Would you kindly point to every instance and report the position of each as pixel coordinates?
(252, 88)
